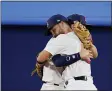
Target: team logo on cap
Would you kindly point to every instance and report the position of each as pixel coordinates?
(74, 22)
(58, 20)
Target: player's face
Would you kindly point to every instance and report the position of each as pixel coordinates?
(55, 30)
(64, 26)
(59, 29)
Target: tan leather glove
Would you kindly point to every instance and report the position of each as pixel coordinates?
(83, 34)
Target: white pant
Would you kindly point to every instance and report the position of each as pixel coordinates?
(80, 84)
(50, 86)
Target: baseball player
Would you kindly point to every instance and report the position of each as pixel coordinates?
(52, 78)
(77, 75)
(60, 30)
(62, 60)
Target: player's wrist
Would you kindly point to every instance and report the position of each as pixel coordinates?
(40, 64)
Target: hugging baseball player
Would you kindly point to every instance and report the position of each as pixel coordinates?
(66, 49)
(80, 71)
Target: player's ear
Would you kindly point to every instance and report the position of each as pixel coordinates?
(62, 23)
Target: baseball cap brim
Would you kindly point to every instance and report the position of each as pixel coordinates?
(47, 32)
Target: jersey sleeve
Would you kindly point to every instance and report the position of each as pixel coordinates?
(55, 45)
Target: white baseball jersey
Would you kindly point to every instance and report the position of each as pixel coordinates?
(69, 44)
(51, 73)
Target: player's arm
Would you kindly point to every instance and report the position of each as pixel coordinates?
(52, 47)
(94, 51)
(93, 48)
(43, 56)
(40, 62)
(65, 60)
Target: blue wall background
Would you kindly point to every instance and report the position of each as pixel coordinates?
(96, 13)
(20, 44)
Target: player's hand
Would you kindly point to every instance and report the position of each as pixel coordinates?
(94, 51)
(85, 54)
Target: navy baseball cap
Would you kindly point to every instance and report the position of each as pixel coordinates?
(52, 21)
(76, 17)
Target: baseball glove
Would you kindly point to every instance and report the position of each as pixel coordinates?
(83, 34)
(39, 70)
